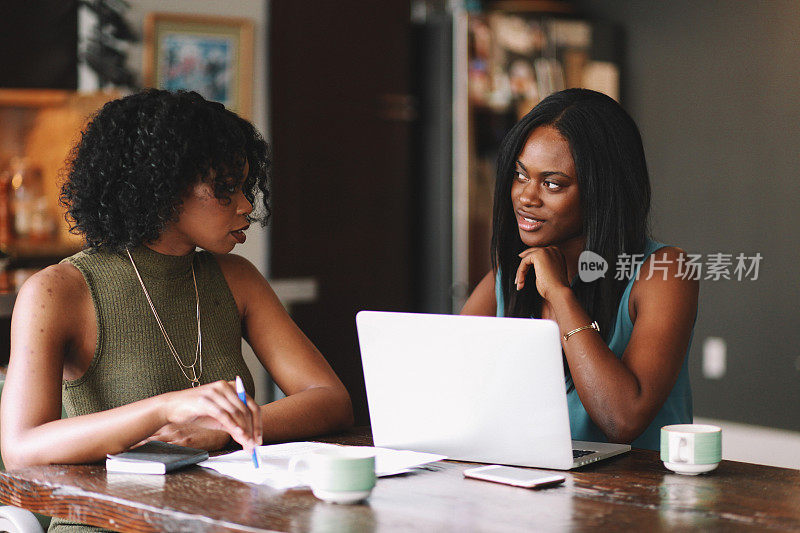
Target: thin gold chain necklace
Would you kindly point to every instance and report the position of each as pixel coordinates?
(196, 367)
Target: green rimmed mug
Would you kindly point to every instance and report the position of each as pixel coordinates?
(691, 449)
(337, 475)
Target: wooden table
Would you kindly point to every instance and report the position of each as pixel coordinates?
(629, 492)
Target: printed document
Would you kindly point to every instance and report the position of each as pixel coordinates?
(274, 461)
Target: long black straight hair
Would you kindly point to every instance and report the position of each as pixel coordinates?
(614, 192)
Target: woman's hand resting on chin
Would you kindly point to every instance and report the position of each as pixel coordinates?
(550, 267)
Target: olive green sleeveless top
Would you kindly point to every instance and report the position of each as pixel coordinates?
(132, 360)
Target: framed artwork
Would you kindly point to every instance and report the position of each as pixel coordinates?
(208, 54)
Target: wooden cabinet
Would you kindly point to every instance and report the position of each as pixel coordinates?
(42, 126)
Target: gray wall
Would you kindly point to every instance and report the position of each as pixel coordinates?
(715, 89)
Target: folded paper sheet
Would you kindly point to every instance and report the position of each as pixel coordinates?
(274, 461)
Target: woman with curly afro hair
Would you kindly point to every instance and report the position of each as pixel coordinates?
(138, 336)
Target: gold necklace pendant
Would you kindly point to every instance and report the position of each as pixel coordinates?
(198, 353)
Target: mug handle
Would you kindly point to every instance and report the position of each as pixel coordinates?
(294, 462)
(680, 455)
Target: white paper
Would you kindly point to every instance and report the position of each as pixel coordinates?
(274, 462)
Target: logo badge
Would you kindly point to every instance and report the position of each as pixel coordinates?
(591, 266)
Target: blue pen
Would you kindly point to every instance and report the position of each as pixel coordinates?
(243, 396)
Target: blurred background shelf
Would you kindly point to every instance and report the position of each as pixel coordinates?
(39, 255)
(33, 97)
(38, 128)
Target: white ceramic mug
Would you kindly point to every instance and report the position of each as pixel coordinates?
(691, 448)
(337, 475)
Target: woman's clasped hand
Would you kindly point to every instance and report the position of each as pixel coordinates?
(208, 416)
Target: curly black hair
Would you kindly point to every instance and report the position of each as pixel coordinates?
(140, 154)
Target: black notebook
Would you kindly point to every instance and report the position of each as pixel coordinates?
(154, 457)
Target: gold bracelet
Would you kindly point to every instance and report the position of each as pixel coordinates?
(593, 326)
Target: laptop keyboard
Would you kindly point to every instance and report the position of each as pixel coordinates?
(580, 453)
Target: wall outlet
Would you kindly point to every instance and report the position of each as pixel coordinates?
(714, 357)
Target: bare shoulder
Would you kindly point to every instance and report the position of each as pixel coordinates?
(56, 283)
(667, 252)
(665, 264)
(665, 280)
(482, 301)
(236, 268)
(247, 284)
(56, 300)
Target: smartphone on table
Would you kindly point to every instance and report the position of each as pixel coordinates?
(518, 477)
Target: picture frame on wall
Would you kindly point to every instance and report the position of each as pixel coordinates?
(208, 54)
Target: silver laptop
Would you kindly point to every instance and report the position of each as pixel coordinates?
(482, 389)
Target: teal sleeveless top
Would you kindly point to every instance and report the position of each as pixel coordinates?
(677, 409)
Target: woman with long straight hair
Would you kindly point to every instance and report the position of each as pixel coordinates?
(572, 183)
